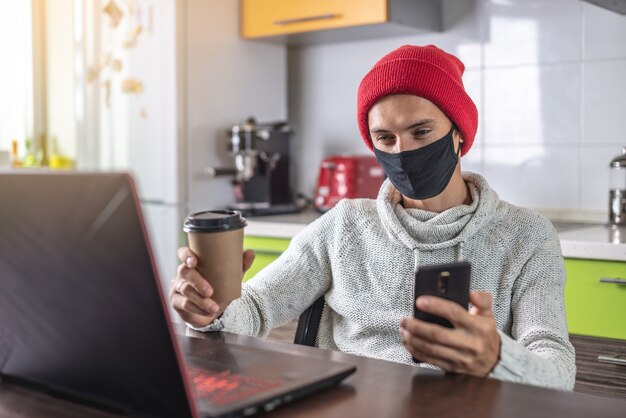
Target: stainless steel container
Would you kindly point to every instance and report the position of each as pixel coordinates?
(617, 190)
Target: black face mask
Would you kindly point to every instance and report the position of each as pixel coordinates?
(424, 172)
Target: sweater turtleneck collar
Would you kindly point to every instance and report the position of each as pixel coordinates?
(424, 230)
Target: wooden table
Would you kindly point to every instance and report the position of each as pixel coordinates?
(377, 389)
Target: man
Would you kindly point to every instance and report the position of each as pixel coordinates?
(414, 113)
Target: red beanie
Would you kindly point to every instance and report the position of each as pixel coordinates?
(424, 71)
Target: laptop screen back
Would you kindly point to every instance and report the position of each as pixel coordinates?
(80, 311)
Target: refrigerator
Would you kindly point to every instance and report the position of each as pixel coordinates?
(158, 85)
(127, 83)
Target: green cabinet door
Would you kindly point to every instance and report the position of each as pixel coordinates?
(595, 306)
(267, 250)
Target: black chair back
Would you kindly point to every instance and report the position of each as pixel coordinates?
(309, 322)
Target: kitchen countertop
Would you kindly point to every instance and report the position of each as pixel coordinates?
(280, 226)
(578, 239)
(600, 242)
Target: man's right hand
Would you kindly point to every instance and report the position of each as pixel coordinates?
(190, 294)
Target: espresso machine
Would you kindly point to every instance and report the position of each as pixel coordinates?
(261, 172)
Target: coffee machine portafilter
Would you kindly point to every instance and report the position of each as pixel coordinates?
(261, 172)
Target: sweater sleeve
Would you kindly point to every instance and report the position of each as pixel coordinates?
(539, 352)
(284, 289)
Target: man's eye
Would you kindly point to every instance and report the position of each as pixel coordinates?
(421, 132)
(384, 138)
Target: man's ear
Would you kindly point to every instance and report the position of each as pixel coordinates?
(458, 132)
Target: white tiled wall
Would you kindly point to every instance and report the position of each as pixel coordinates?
(548, 78)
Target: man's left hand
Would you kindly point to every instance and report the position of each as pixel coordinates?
(471, 347)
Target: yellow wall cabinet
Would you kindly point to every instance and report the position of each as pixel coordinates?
(318, 21)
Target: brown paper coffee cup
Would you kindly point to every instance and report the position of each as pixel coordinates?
(216, 237)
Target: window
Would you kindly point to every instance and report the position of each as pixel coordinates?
(16, 73)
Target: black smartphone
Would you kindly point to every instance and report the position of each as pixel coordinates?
(448, 281)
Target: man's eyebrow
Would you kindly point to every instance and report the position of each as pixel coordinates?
(413, 125)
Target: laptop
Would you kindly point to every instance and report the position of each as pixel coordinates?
(83, 315)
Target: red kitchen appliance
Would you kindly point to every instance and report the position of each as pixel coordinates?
(347, 176)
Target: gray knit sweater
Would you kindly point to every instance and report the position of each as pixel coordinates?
(361, 256)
